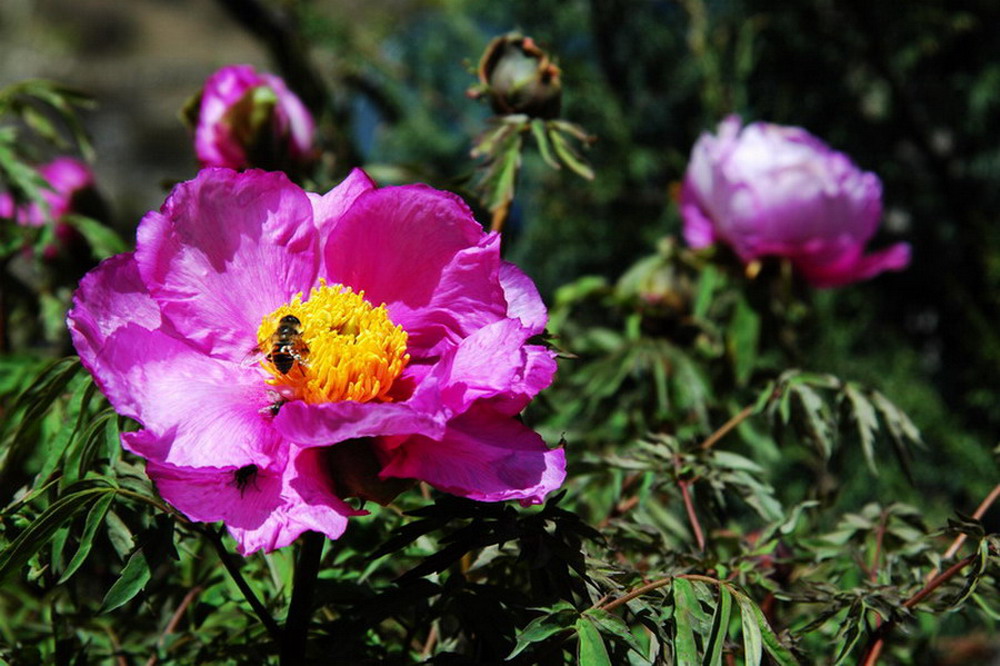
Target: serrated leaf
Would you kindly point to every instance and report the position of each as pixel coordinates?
(775, 649)
(130, 582)
(866, 422)
(591, 650)
(95, 518)
(720, 626)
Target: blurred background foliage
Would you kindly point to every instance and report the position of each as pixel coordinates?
(662, 345)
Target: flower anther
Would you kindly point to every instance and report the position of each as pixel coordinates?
(334, 346)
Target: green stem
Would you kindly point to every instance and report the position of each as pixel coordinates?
(227, 561)
(293, 645)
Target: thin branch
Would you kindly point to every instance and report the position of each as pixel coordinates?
(879, 538)
(877, 641)
(683, 484)
(656, 584)
(978, 514)
(737, 419)
(175, 619)
(227, 561)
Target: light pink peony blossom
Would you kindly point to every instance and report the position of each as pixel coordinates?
(68, 177)
(184, 336)
(249, 119)
(770, 190)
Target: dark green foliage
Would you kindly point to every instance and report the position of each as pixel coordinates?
(758, 473)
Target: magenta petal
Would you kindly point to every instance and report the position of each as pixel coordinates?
(265, 510)
(110, 296)
(490, 362)
(225, 250)
(435, 269)
(523, 300)
(699, 231)
(197, 411)
(853, 269)
(330, 207)
(484, 456)
(332, 422)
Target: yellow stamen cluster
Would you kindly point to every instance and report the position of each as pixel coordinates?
(345, 348)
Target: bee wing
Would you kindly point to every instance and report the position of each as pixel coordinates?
(253, 358)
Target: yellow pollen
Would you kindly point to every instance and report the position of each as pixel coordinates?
(338, 346)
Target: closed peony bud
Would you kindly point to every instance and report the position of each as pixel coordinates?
(245, 119)
(770, 190)
(519, 77)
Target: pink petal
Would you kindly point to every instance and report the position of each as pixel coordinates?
(484, 456)
(855, 268)
(330, 207)
(332, 422)
(268, 510)
(109, 297)
(523, 300)
(225, 250)
(434, 267)
(492, 361)
(197, 411)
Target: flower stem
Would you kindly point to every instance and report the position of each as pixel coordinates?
(737, 419)
(293, 644)
(227, 561)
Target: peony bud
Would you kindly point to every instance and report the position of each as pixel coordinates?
(72, 191)
(519, 77)
(770, 190)
(244, 119)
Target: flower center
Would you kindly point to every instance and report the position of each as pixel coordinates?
(334, 346)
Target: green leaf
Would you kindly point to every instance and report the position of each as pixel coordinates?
(38, 533)
(685, 605)
(591, 650)
(614, 626)
(568, 156)
(543, 627)
(133, 578)
(866, 421)
(94, 520)
(720, 626)
(542, 139)
(757, 634)
(103, 240)
(752, 643)
(743, 334)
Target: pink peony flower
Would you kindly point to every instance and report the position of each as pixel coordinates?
(67, 176)
(257, 328)
(772, 190)
(246, 119)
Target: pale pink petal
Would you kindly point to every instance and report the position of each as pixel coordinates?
(225, 250)
(484, 456)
